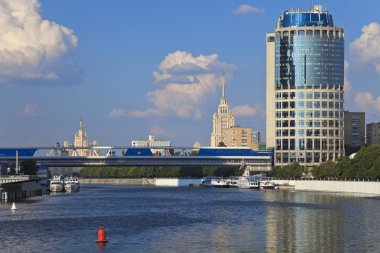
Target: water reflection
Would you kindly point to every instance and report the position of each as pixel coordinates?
(319, 222)
(140, 219)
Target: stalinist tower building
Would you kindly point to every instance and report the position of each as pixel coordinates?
(80, 140)
(222, 119)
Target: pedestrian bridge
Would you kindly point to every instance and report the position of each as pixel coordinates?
(245, 158)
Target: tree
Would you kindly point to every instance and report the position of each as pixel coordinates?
(293, 170)
(363, 162)
(327, 169)
(29, 167)
(221, 144)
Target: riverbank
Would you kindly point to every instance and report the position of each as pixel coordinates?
(364, 187)
(170, 182)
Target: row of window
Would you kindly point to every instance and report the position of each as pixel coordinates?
(309, 144)
(309, 132)
(309, 95)
(309, 114)
(309, 105)
(309, 123)
(314, 32)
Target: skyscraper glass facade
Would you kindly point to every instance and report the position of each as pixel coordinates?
(308, 92)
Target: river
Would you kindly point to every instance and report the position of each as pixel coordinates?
(158, 219)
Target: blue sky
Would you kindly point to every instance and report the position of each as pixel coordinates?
(134, 68)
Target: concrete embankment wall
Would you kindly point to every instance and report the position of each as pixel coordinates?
(20, 190)
(338, 186)
(170, 182)
(175, 182)
(119, 181)
(285, 183)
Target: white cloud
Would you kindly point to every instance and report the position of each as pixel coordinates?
(244, 111)
(158, 131)
(183, 81)
(367, 102)
(367, 46)
(30, 110)
(31, 47)
(117, 113)
(247, 9)
(347, 83)
(378, 68)
(144, 114)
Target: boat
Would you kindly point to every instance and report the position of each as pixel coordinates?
(247, 183)
(219, 182)
(56, 184)
(215, 182)
(72, 184)
(266, 183)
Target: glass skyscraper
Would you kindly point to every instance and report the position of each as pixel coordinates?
(305, 77)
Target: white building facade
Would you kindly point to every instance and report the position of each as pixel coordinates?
(151, 142)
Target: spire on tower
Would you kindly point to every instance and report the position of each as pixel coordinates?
(223, 86)
(81, 122)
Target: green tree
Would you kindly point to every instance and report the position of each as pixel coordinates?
(364, 160)
(293, 170)
(343, 167)
(327, 169)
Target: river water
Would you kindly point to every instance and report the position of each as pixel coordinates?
(153, 219)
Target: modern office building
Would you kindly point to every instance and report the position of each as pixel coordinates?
(373, 133)
(354, 131)
(222, 119)
(240, 137)
(305, 77)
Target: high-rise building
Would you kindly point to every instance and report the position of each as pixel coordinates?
(222, 119)
(354, 131)
(373, 133)
(305, 77)
(80, 140)
(240, 137)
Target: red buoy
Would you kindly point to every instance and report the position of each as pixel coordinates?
(101, 236)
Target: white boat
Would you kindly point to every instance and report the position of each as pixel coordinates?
(266, 183)
(215, 182)
(219, 182)
(72, 184)
(56, 184)
(246, 183)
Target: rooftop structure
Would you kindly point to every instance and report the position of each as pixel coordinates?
(151, 142)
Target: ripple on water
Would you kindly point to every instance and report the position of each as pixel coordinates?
(150, 219)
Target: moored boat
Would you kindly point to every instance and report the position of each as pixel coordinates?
(215, 182)
(247, 183)
(219, 182)
(72, 184)
(266, 183)
(56, 184)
